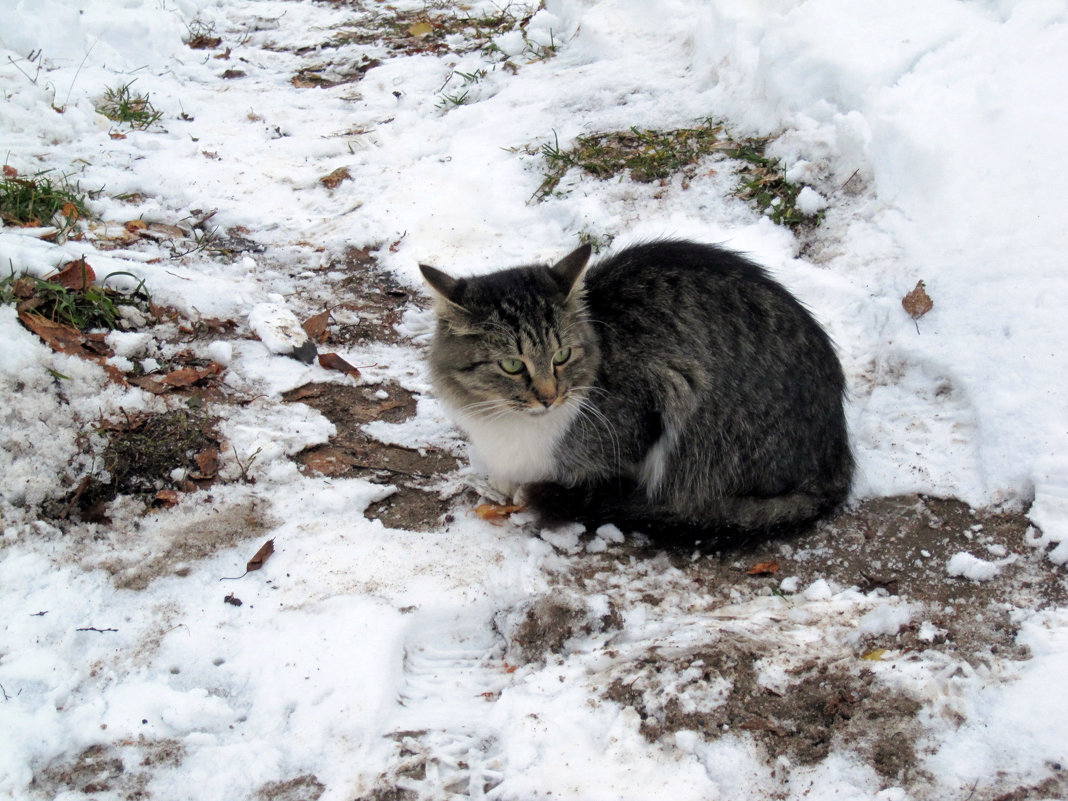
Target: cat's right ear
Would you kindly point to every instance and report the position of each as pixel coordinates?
(568, 270)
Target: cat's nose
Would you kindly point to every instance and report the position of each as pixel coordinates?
(545, 391)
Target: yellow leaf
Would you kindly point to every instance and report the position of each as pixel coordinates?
(420, 29)
(875, 655)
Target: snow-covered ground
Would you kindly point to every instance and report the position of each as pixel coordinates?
(366, 658)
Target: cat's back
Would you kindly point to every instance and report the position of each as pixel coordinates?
(678, 270)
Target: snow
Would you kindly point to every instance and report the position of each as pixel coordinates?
(968, 566)
(928, 134)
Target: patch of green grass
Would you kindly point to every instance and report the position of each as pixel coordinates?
(648, 155)
(124, 106)
(84, 309)
(443, 26)
(42, 200)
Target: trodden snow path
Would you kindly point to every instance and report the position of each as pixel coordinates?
(475, 660)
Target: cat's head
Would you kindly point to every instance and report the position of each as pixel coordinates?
(513, 341)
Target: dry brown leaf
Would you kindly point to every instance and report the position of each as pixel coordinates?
(334, 179)
(74, 275)
(167, 497)
(496, 512)
(135, 226)
(70, 211)
(917, 302)
(10, 172)
(204, 42)
(117, 135)
(150, 384)
(331, 361)
(262, 555)
(315, 327)
(764, 569)
(57, 336)
(208, 462)
(188, 376)
(311, 390)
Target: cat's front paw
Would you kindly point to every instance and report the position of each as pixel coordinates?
(508, 490)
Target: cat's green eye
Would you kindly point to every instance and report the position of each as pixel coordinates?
(562, 356)
(511, 366)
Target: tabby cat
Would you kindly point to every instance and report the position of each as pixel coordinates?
(674, 387)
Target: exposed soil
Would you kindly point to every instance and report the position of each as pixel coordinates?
(352, 453)
(122, 771)
(372, 295)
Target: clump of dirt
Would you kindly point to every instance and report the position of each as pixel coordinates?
(147, 453)
(302, 788)
(351, 453)
(546, 625)
(123, 769)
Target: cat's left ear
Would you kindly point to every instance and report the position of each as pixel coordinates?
(442, 283)
(568, 270)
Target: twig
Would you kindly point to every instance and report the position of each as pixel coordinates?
(94, 628)
(76, 73)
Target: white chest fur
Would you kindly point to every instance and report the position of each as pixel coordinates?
(517, 448)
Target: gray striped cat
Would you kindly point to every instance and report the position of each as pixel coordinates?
(672, 388)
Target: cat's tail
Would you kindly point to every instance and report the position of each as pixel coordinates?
(726, 522)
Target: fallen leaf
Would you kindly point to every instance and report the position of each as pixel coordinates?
(150, 384)
(315, 327)
(496, 512)
(420, 29)
(311, 390)
(117, 135)
(231, 74)
(917, 302)
(331, 361)
(232, 599)
(334, 179)
(262, 555)
(764, 569)
(59, 337)
(204, 42)
(172, 231)
(135, 226)
(74, 275)
(167, 497)
(188, 376)
(875, 655)
(70, 211)
(10, 172)
(208, 462)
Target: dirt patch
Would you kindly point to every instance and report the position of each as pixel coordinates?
(352, 453)
(122, 769)
(182, 538)
(376, 300)
(716, 691)
(301, 788)
(146, 454)
(546, 625)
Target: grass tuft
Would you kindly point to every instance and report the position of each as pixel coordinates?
(648, 155)
(123, 106)
(85, 308)
(41, 200)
